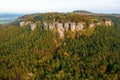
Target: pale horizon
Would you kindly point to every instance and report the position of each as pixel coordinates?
(40, 6)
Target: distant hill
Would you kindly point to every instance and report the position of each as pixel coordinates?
(82, 11)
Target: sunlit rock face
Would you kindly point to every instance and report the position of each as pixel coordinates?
(59, 27)
(22, 24)
(63, 27)
(108, 23)
(25, 23)
(61, 34)
(72, 26)
(45, 26)
(51, 27)
(28, 23)
(99, 23)
(91, 25)
(66, 26)
(79, 26)
(33, 26)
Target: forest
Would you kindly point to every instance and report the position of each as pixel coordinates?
(92, 54)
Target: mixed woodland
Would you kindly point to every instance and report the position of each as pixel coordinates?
(91, 54)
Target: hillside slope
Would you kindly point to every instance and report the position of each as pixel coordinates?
(41, 54)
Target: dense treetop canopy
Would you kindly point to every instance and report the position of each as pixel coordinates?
(91, 54)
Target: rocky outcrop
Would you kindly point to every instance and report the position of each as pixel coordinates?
(22, 24)
(79, 26)
(66, 26)
(59, 27)
(61, 34)
(108, 23)
(33, 26)
(72, 26)
(63, 27)
(91, 25)
(28, 23)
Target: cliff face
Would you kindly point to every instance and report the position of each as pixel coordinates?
(62, 22)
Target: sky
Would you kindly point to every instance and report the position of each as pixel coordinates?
(38, 6)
